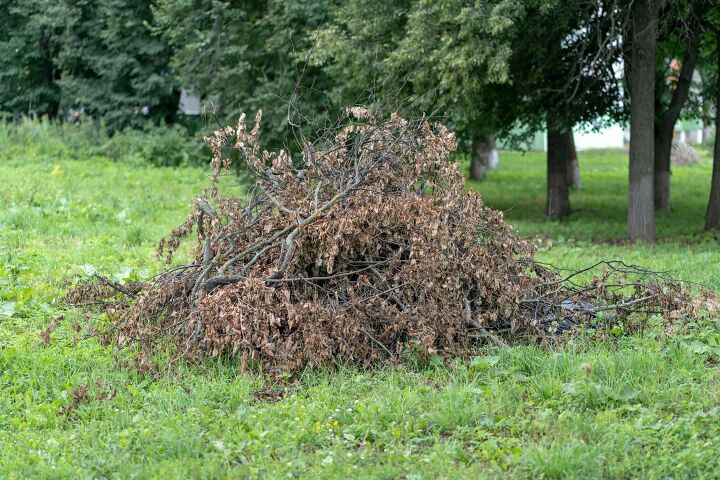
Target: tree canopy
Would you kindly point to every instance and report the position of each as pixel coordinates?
(485, 67)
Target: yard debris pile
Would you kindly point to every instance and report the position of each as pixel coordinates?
(682, 154)
(366, 247)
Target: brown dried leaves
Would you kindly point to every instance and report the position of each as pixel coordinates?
(367, 248)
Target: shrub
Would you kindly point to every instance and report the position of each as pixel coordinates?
(159, 145)
(164, 146)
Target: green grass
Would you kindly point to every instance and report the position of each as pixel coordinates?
(634, 407)
(597, 228)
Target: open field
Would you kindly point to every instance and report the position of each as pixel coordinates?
(633, 407)
(597, 228)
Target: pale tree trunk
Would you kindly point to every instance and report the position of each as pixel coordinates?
(666, 122)
(708, 106)
(493, 157)
(573, 167)
(558, 197)
(712, 219)
(641, 201)
(479, 159)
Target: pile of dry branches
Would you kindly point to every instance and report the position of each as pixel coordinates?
(366, 247)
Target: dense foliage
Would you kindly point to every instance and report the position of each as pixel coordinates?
(29, 48)
(112, 66)
(113, 58)
(506, 68)
(98, 57)
(168, 146)
(488, 66)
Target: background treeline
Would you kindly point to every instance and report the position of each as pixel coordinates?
(489, 68)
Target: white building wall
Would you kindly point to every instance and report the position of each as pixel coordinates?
(189, 103)
(610, 137)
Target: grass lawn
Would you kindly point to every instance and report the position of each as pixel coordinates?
(634, 407)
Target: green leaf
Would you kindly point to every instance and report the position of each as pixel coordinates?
(569, 388)
(484, 362)
(7, 309)
(628, 393)
(436, 360)
(696, 346)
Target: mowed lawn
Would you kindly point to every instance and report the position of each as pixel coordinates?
(597, 227)
(631, 407)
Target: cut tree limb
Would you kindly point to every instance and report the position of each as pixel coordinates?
(482, 330)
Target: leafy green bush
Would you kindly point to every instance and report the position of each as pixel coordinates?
(44, 137)
(160, 145)
(166, 146)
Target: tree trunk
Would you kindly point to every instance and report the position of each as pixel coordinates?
(666, 122)
(661, 175)
(641, 211)
(708, 104)
(573, 167)
(479, 159)
(558, 197)
(493, 156)
(712, 219)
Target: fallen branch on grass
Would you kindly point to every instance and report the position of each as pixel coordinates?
(364, 247)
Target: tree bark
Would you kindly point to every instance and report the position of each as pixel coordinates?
(493, 156)
(479, 159)
(661, 175)
(558, 197)
(641, 211)
(573, 167)
(712, 219)
(666, 121)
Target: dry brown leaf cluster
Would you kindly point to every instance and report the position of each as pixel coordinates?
(366, 246)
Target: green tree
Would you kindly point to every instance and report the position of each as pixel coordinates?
(489, 66)
(29, 43)
(679, 38)
(241, 56)
(711, 52)
(112, 66)
(424, 56)
(561, 74)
